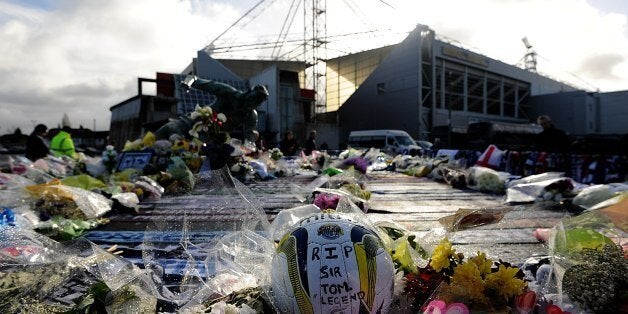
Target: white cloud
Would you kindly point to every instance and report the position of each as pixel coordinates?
(82, 57)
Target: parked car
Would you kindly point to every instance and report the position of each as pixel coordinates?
(390, 141)
(426, 147)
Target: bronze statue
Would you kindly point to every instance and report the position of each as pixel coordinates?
(238, 106)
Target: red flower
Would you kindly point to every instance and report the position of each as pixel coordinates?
(421, 286)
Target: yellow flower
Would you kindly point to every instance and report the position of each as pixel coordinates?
(441, 254)
(505, 282)
(484, 264)
(149, 139)
(467, 282)
(181, 145)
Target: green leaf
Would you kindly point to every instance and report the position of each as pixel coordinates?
(403, 256)
(575, 240)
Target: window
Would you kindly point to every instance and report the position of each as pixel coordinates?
(493, 88)
(475, 93)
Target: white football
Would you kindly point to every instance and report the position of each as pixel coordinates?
(331, 264)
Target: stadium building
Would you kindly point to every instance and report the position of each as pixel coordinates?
(426, 86)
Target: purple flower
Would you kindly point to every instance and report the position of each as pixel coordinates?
(326, 201)
(359, 164)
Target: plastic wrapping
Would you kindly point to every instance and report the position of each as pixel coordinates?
(64, 229)
(286, 218)
(452, 174)
(466, 218)
(129, 200)
(37, 175)
(407, 251)
(30, 265)
(10, 181)
(15, 163)
(487, 180)
(58, 167)
(260, 169)
(95, 166)
(84, 181)
(20, 247)
(588, 253)
(352, 183)
(349, 176)
(68, 201)
(152, 189)
(237, 250)
(304, 192)
(545, 187)
(286, 167)
(38, 274)
(184, 178)
(590, 196)
(14, 198)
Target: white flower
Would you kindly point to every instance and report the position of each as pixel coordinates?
(196, 113)
(222, 117)
(198, 126)
(201, 112)
(399, 284)
(235, 168)
(193, 133)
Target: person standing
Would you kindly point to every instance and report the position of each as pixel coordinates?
(288, 144)
(551, 139)
(36, 147)
(62, 144)
(553, 146)
(310, 144)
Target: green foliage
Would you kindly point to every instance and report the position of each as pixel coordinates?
(600, 284)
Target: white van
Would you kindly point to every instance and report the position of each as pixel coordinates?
(390, 141)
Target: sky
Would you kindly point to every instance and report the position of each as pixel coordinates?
(80, 57)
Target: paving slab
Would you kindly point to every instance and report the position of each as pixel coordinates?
(415, 203)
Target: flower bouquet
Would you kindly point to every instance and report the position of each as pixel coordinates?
(275, 153)
(589, 268)
(40, 275)
(208, 133)
(208, 123)
(451, 281)
(242, 171)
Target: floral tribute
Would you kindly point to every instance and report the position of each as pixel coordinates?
(275, 153)
(326, 201)
(207, 121)
(451, 282)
